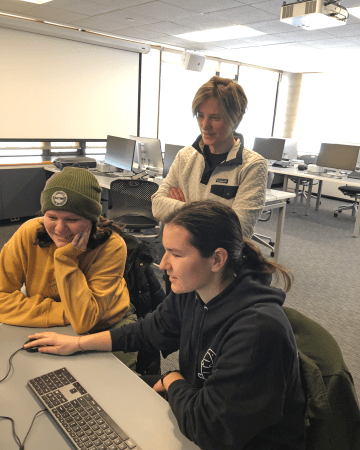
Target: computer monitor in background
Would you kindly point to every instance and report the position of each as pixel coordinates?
(120, 152)
(150, 149)
(169, 156)
(338, 156)
(270, 148)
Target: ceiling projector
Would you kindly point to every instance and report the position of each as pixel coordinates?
(314, 14)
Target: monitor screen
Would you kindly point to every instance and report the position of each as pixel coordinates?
(120, 152)
(269, 148)
(169, 156)
(338, 156)
(150, 152)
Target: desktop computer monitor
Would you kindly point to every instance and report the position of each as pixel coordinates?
(150, 149)
(169, 156)
(120, 152)
(269, 148)
(338, 156)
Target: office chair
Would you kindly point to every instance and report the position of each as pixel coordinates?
(304, 182)
(351, 191)
(265, 216)
(130, 203)
(259, 238)
(332, 413)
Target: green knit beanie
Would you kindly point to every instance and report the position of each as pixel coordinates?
(74, 190)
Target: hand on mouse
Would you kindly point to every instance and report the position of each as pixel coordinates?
(58, 344)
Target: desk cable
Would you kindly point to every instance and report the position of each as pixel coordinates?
(10, 363)
(16, 437)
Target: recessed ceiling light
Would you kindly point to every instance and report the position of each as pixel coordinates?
(38, 2)
(354, 11)
(220, 34)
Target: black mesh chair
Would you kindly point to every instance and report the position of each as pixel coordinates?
(351, 191)
(304, 182)
(130, 204)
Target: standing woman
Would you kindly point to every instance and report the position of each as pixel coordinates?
(238, 386)
(217, 166)
(71, 262)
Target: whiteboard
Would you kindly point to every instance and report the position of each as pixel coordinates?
(57, 88)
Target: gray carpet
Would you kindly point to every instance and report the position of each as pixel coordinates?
(325, 259)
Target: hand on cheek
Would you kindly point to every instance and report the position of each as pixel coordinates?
(81, 239)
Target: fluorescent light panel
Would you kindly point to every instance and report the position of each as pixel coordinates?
(220, 34)
(38, 2)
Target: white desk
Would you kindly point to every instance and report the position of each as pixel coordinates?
(140, 411)
(292, 172)
(277, 200)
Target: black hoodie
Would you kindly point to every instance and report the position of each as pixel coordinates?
(238, 356)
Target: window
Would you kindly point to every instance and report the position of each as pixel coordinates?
(178, 88)
(260, 88)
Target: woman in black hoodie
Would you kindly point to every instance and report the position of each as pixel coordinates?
(239, 384)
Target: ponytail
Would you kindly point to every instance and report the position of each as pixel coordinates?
(253, 259)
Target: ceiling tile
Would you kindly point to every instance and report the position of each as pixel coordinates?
(266, 39)
(120, 4)
(268, 6)
(121, 17)
(203, 6)
(14, 7)
(102, 25)
(347, 30)
(272, 26)
(243, 15)
(86, 7)
(328, 43)
(203, 22)
(139, 33)
(303, 35)
(161, 11)
(51, 14)
(167, 28)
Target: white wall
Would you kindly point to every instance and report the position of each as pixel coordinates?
(56, 88)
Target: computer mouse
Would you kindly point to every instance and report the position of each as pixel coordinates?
(302, 166)
(32, 349)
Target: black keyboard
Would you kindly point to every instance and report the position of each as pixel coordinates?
(79, 416)
(354, 174)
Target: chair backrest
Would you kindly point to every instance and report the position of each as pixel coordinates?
(309, 159)
(131, 197)
(169, 156)
(332, 410)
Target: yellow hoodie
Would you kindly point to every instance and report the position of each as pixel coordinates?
(87, 285)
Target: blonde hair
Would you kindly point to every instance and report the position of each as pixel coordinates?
(230, 96)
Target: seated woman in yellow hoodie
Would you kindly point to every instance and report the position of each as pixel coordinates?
(71, 262)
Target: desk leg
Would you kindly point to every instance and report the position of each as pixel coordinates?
(357, 224)
(279, 228)
(318, 200)
(285, 184)
(296, 192)
(309, 196)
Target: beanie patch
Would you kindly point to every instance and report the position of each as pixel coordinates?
(59, 198)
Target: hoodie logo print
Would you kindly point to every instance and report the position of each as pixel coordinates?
(207, 364)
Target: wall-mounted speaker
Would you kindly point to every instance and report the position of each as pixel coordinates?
(192, 61)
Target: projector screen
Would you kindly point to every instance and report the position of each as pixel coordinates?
(57, 88)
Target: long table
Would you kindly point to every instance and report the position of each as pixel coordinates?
(298, 174)
(139, 410)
